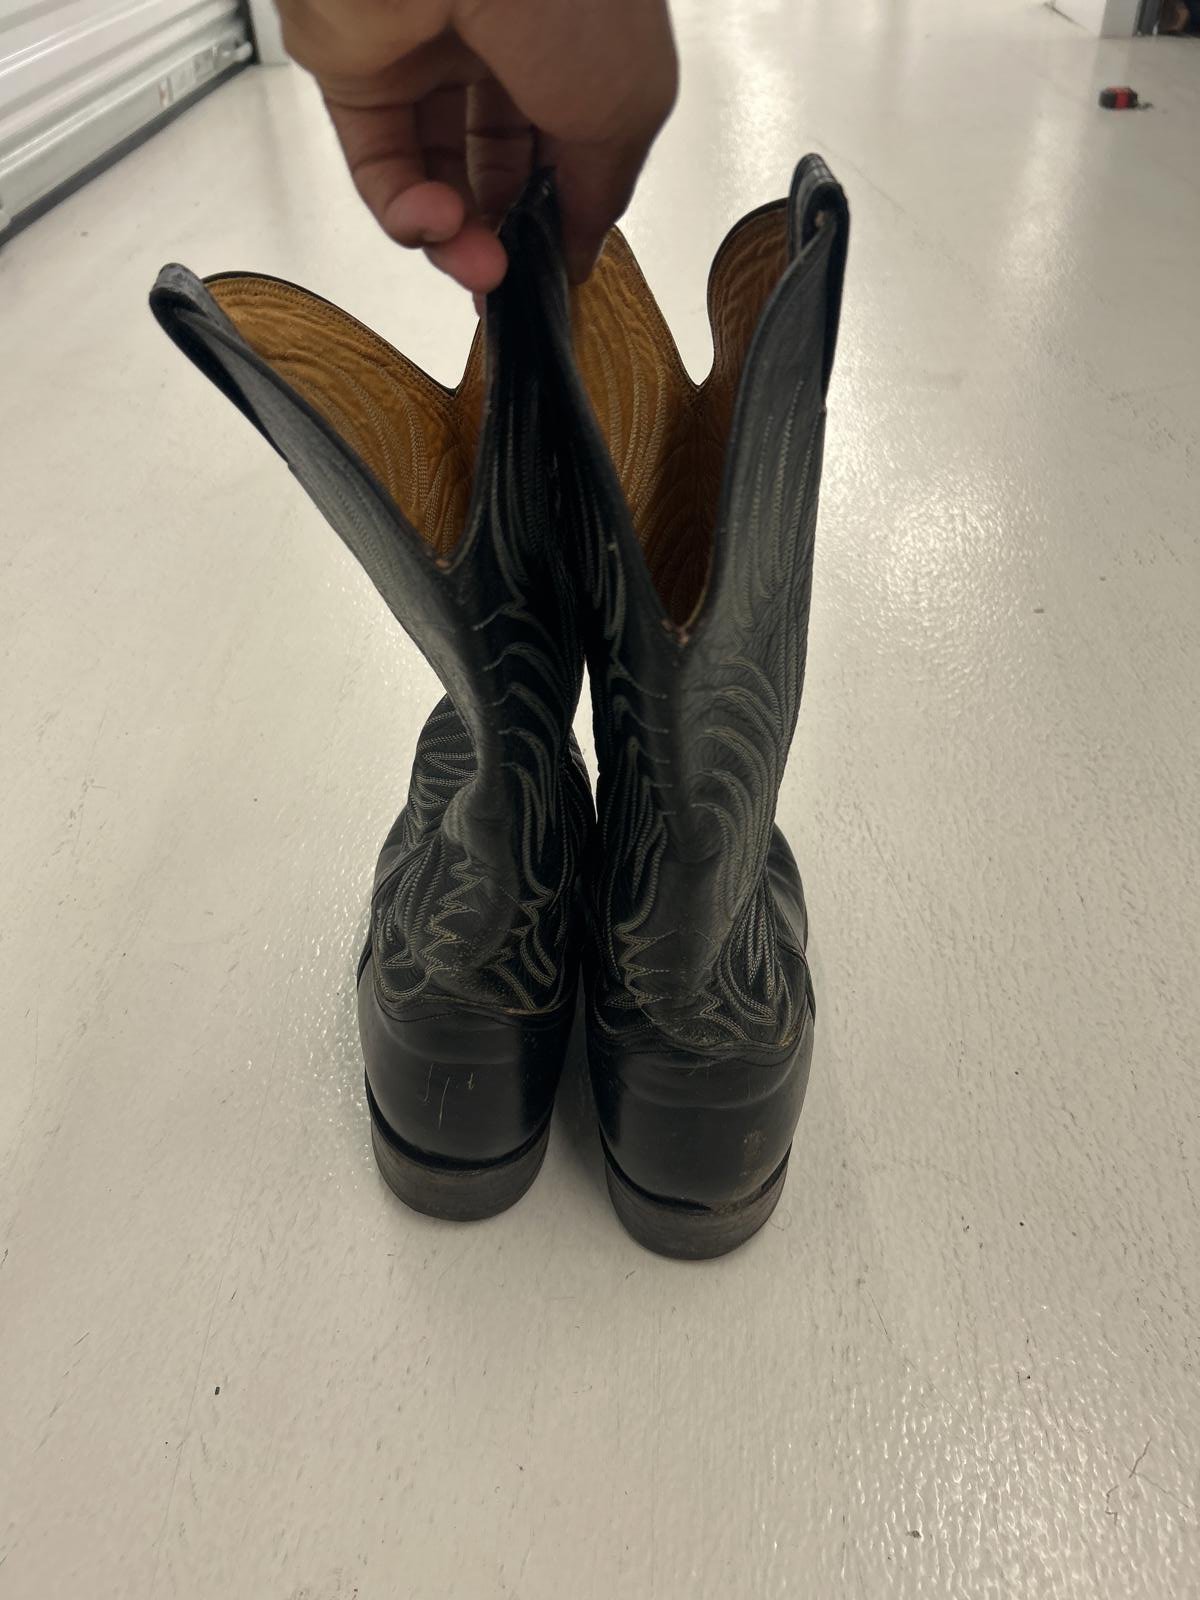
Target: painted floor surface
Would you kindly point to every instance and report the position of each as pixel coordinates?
(962, 1360)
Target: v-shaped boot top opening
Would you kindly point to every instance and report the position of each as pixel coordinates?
(418, 438)
(667, 435)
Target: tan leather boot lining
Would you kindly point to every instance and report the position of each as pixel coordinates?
(418, 438)
(667, 435)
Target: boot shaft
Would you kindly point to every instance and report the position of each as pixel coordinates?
(444, 499)
(693, 511)
(440, 495)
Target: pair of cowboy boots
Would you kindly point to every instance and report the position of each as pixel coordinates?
(577, 498)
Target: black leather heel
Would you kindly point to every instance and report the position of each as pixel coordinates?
(460, 1099)
(696, 1147)
(455, 1191)
(690, 1232)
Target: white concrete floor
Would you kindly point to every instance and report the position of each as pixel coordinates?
(962, 1361)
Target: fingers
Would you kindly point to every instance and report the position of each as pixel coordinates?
(395, 86)
(474, 258)
(423, 215)
(595, 186)
(598, 78)
(409, 165)
(440, 122)
(435, 103)
(469, 252)
(373, 76)
(500, 149)
(380, 145)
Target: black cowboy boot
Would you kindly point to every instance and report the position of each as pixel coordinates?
(467, 986)
(694, 512)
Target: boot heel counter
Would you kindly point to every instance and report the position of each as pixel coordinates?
(696, 1128)
(460, 1084)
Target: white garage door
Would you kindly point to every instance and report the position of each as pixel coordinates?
(80, 79)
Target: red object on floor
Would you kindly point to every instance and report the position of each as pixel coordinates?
(1122, 99)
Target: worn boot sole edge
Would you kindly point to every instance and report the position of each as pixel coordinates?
(686, 1231)
(454, 1191)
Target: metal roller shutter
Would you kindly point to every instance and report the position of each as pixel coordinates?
(82, 79)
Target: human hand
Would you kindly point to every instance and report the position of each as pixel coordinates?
(444, 108)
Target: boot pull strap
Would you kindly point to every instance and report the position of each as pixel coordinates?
(817, 202)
